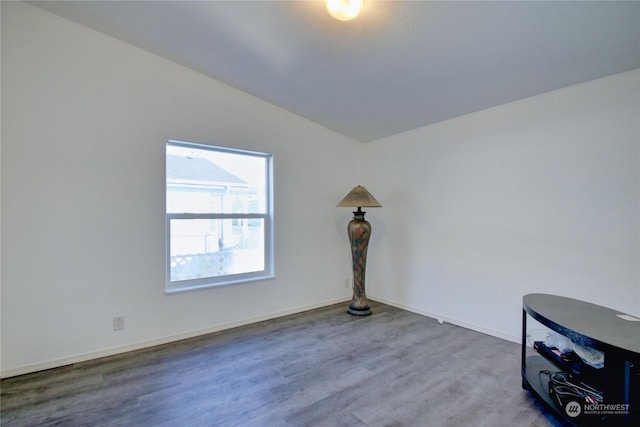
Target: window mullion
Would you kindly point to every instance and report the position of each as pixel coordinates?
(171, 216)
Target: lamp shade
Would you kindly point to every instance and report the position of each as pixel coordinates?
(359, 197)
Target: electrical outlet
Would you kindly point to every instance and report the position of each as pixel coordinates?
(347, 283)
(118, 323)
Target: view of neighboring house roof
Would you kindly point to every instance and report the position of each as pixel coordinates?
(198, 169)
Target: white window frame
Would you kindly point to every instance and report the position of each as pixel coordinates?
(208, 282)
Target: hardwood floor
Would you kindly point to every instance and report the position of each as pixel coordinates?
(318, 368)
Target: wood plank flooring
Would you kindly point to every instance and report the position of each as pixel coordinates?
(318, 368)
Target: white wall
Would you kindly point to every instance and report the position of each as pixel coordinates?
(540, 195)
(85, 120)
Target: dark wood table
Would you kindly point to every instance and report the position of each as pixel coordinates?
(614, 333)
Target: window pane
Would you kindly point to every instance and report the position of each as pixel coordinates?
(208, 181)
(216, 247)
(219, 216)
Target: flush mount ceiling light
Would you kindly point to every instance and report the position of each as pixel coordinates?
(344, 10)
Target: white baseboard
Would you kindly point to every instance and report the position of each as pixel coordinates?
(441, 319)
(177, 337)
(163, 340)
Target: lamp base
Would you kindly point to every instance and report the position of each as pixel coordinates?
(359, 311)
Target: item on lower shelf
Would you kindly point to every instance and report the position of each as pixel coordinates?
(564, 389)
(571, 363)
(588, 355)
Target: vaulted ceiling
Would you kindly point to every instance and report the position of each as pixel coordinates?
(400, 65)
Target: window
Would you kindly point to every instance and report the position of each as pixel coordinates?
(219, 216)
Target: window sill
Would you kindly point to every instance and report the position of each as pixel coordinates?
(175, 289)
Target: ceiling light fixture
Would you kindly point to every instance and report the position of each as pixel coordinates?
(344, 10)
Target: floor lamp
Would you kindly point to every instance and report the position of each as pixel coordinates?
(359, 231)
